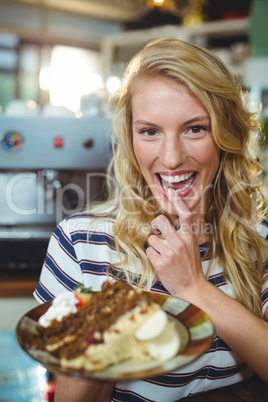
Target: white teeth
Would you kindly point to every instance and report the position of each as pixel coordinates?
(175, 179)
(186, 185)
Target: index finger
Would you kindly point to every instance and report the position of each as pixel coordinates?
(184, 214)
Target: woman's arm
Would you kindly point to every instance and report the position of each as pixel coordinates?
(70, 389)
(176, 259)
(239, 328)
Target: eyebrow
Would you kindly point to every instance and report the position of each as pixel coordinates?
(148, 123)
(193, 120)
(197, 118)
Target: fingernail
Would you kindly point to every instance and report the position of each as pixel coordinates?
(156, 231)
(155, 228)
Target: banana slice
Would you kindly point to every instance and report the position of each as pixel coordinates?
(152, 327)
(166, 345)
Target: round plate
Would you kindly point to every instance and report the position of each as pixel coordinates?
(195, 329)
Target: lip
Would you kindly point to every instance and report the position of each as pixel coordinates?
(179, 173)
(182, 193)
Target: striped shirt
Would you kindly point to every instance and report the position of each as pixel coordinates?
(80, 251)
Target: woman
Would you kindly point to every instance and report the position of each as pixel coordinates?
(184, 217)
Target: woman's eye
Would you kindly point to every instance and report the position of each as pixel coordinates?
(197, 129)
(149, 132)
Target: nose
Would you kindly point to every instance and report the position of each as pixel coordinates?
(172, 152)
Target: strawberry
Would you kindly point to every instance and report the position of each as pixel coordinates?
(82, 299)
(91, 339)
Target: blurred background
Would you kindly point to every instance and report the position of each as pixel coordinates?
(60, 60)
(60, 52)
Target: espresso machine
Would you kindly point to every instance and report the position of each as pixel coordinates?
(50, 167)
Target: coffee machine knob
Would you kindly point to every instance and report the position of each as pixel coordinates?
(12, 141)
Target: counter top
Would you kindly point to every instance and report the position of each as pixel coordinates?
(14, 283)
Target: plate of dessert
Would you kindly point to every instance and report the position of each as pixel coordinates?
(118, 333)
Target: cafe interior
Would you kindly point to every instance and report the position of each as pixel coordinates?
(60, 61)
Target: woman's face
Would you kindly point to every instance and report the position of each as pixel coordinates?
(173, 144)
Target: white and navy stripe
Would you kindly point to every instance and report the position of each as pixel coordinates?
(80, 251)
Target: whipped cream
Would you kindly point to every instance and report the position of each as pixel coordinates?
(62, 305)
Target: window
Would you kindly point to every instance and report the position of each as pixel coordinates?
(44, 73)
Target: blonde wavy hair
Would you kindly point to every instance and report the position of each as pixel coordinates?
(236, 200)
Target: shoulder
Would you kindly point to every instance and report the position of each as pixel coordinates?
(86, 222)
(86, 228)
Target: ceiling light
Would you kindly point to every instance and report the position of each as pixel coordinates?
(189, 11)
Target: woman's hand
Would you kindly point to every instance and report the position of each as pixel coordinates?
(175, 254)
(176, 259)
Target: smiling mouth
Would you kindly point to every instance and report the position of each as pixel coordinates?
(179, 182)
